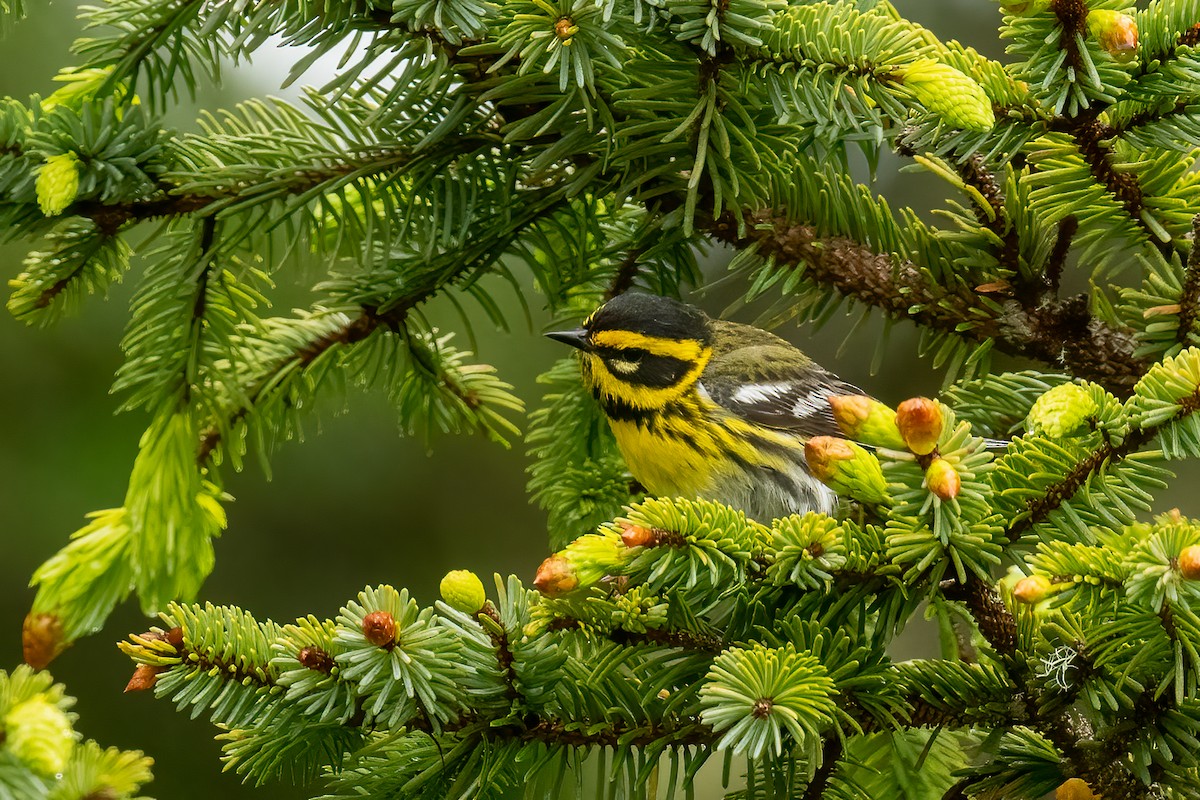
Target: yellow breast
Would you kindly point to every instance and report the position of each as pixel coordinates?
(695, 447)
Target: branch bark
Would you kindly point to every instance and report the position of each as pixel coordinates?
(1060, 332)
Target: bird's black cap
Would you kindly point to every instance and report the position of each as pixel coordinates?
(651, 315)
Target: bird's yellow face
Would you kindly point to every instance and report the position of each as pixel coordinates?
(639, 353)
(640, 371)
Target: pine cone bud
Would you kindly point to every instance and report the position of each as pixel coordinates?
(1033, 589)
(1116, 33)
(949, 94)
(379, 628)
(920, 422)
(1061, 410)
(144, 676)
(865, 419)
(42, 639)
(556, 577)
(846, 468)
(57, 183)
(942, 479)
(463, 591)
(39, 734)
(1074, 788)
(1189, 562)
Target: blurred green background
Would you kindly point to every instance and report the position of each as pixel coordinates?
(355, 503)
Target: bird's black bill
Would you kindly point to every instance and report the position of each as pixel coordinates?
(575, 338)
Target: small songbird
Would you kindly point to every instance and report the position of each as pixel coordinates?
(706, 408)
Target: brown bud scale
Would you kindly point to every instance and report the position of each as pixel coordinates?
(555, 576)
(315, 658)
(379, 628)
(143, 678)
(42, 639)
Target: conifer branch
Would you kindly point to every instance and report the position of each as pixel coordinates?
(48, 295)
(627, 272)
(390, 314)
(1090, 135)
(1072, 18)
(352, 331)
(1063, 490)
(1061, 333)
(975, 173)
(1067, 227)
(992, 617)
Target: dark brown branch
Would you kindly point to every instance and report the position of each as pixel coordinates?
(1067, 227)
(1062, 490)
(831, 754)
(504, 653)
(993, 618)
(627, 273)
(369, 320)
(1072, 18)
(1073, 481)
(995, 218)
(1189, 298)
(1062, 333)
(1090, 135)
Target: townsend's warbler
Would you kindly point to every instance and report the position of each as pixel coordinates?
(707, 408)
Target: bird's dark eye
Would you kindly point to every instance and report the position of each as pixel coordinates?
(634, 354)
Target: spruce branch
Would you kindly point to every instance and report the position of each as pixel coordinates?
(1061, 333)
(991, 616)
(351, 332)
(994, 217)
(1091, 136)
(1066, 488)
(1057, 260)
(388, 312)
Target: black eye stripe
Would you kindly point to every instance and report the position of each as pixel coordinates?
(621, 353)
(654, 371)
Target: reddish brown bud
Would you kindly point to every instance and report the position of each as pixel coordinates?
(555, 577)
(942, 479)
(1074, 789)
(920, 422)
(1032, 589)
(42, 639)
(1189, 562)
(174, 638)
(637, 536)
(314, 658)
(379, 628)
(143, 678)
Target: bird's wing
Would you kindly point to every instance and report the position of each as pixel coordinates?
(775, 386)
